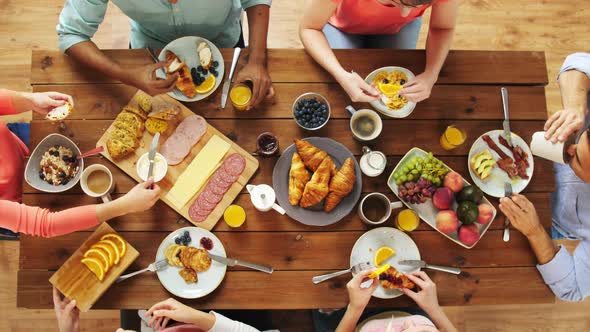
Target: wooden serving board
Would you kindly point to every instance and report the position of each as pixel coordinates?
(128, 164)
(77, 282)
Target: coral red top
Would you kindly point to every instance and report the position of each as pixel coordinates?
(19, 217)
(369, 17)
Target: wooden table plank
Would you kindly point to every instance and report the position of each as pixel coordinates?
(294, 290)
(466, 102)
(163, 218)
(290, 65)
(293, 250)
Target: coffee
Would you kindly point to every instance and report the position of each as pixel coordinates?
(374, 208)
(364, 125)
(98, 182)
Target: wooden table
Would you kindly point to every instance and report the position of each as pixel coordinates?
(467, 94)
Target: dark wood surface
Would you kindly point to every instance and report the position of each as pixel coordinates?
(467, 94)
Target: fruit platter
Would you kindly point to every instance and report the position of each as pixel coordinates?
(442, 197)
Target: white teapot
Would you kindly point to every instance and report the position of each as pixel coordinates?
(263, 198)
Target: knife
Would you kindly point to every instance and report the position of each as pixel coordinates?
(506, 123)
(227, 83)
(152, 155)
(422, 264)
(234, 262)
(507, 193)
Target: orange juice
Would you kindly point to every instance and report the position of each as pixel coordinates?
(234, 216)
(452, 138)
(407, 220)
(240, 96)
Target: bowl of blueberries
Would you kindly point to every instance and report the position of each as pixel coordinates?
(311, 111)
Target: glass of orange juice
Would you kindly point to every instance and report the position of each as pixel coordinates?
(234, 216)
(407, 220)
(452, 137)
(240, 96)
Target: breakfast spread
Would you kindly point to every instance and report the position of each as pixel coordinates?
(59, 113)
(515, 167)
(104, 254)
(58, 165)
(389, 84)
(186, 135)
(393, 279)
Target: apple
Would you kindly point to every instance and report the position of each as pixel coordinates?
(486, 213)
(447, 221)
(454, 181)
(468, 234)
(443, 198)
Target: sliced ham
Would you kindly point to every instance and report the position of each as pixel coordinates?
(186, 135)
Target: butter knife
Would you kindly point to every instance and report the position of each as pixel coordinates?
(234, 262)
(227, 83)
(506, 124)
(424, 265)
(152, 155)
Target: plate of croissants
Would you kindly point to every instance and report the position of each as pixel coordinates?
(317, 181)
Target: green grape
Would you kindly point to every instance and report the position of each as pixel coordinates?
(429, 165)
(398, 182)
(415, 171)
(406, 169)
(419, 167)
(403, 178)
(396, 175)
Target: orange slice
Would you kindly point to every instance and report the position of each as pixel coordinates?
(121, 243)
(376, 273)
(108, 249)
(95, 266)
(382, 255)
(114, 250)
(207, 85)
(101, 255)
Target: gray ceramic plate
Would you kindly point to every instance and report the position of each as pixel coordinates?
(315, 216)
(32, 169)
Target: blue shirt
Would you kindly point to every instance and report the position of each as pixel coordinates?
(155, 23)
(569, 276)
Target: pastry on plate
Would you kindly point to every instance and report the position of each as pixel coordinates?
(392, 279)
(184, 82)
(317, 188)
(189, 275)
(298, 178)
(341, 185)
(172, 254)
(312, 157)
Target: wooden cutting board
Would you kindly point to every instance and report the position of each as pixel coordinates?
(128, 164)
(77, 282)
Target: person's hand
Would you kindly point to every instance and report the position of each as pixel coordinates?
(410, 326)
(68, 316)
(359, 297)
(357, 89)
(145, 79)
(261, 82)
(141, 197)
(164, 311)
(522, 214)
(426, 298)
(562, 124)
(419, 88)
(43, 102)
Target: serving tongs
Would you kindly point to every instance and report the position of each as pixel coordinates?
(154, 57)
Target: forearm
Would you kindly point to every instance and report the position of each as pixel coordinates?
(542, 245)
(112, 209)
(258, 18)
(316, 44)
(350, 319)
(89, 55)
(574, 87)
(440, 320)
(21, 101)
(202, 320)
(438, 44)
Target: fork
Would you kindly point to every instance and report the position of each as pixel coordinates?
(156, 266)
(152, 54)
(354, 269)
(507, 193)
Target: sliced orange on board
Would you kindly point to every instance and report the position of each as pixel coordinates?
(104, 254)
(95, 266)
(114, 250)
(101, 255)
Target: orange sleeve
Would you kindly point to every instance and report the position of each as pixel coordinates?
(6, 105)
(40, 222)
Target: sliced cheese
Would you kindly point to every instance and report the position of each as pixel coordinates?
(197, 173)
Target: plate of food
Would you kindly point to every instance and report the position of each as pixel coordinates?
(53, 166)
(387, 245)
(199, 65)
(317, 181)
(493, 162)
(442, 197)
(389, 81)
(190, 273)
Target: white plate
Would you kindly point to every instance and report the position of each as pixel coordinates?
(208, 280)
(380, 106)
(427, 211)
(367, 245)
(494, 184)
(186, 50)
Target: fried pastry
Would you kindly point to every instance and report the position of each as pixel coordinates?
(298, 178)
(317, 188)
(172, 254)
(189, 275)
(200, 261)
(341, 185)
(312, 157)
(392, 279)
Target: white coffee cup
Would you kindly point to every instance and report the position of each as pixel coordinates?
(105, 195)
(365, 113)
(387, 205)
(546, 149)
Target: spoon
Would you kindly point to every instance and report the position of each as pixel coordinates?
(91, 152)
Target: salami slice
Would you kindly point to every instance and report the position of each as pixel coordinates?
(218, 189)
(222, 178)
(234, 164)
(196, 213)
(210, 196)
(204, 204)
(227, 177)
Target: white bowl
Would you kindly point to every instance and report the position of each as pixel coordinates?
(380, 106)
(143, 174)
(308, 95)
(33, 165)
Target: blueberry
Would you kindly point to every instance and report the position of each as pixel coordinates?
(324, 107)
(65, 181)
(200, 68)
(193, 71)
(214, 73)
(386, 81)
(186, 234)
(215, 63)
(62, 174)
(402, 82)
(177, 240)
(41, 175)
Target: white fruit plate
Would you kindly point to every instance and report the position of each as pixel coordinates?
(427, 211)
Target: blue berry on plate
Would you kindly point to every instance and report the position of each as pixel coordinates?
(178, 240)
(215, 64)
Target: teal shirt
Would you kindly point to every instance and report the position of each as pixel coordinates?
(155, 23)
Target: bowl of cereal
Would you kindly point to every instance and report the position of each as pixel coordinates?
(53, 166)
(389, 81)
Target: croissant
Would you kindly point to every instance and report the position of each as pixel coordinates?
(317, 188)
(341, 185)
(298, 178)
(312, 156)
(184, 82)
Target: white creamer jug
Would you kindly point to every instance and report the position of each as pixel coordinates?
(263, 198)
